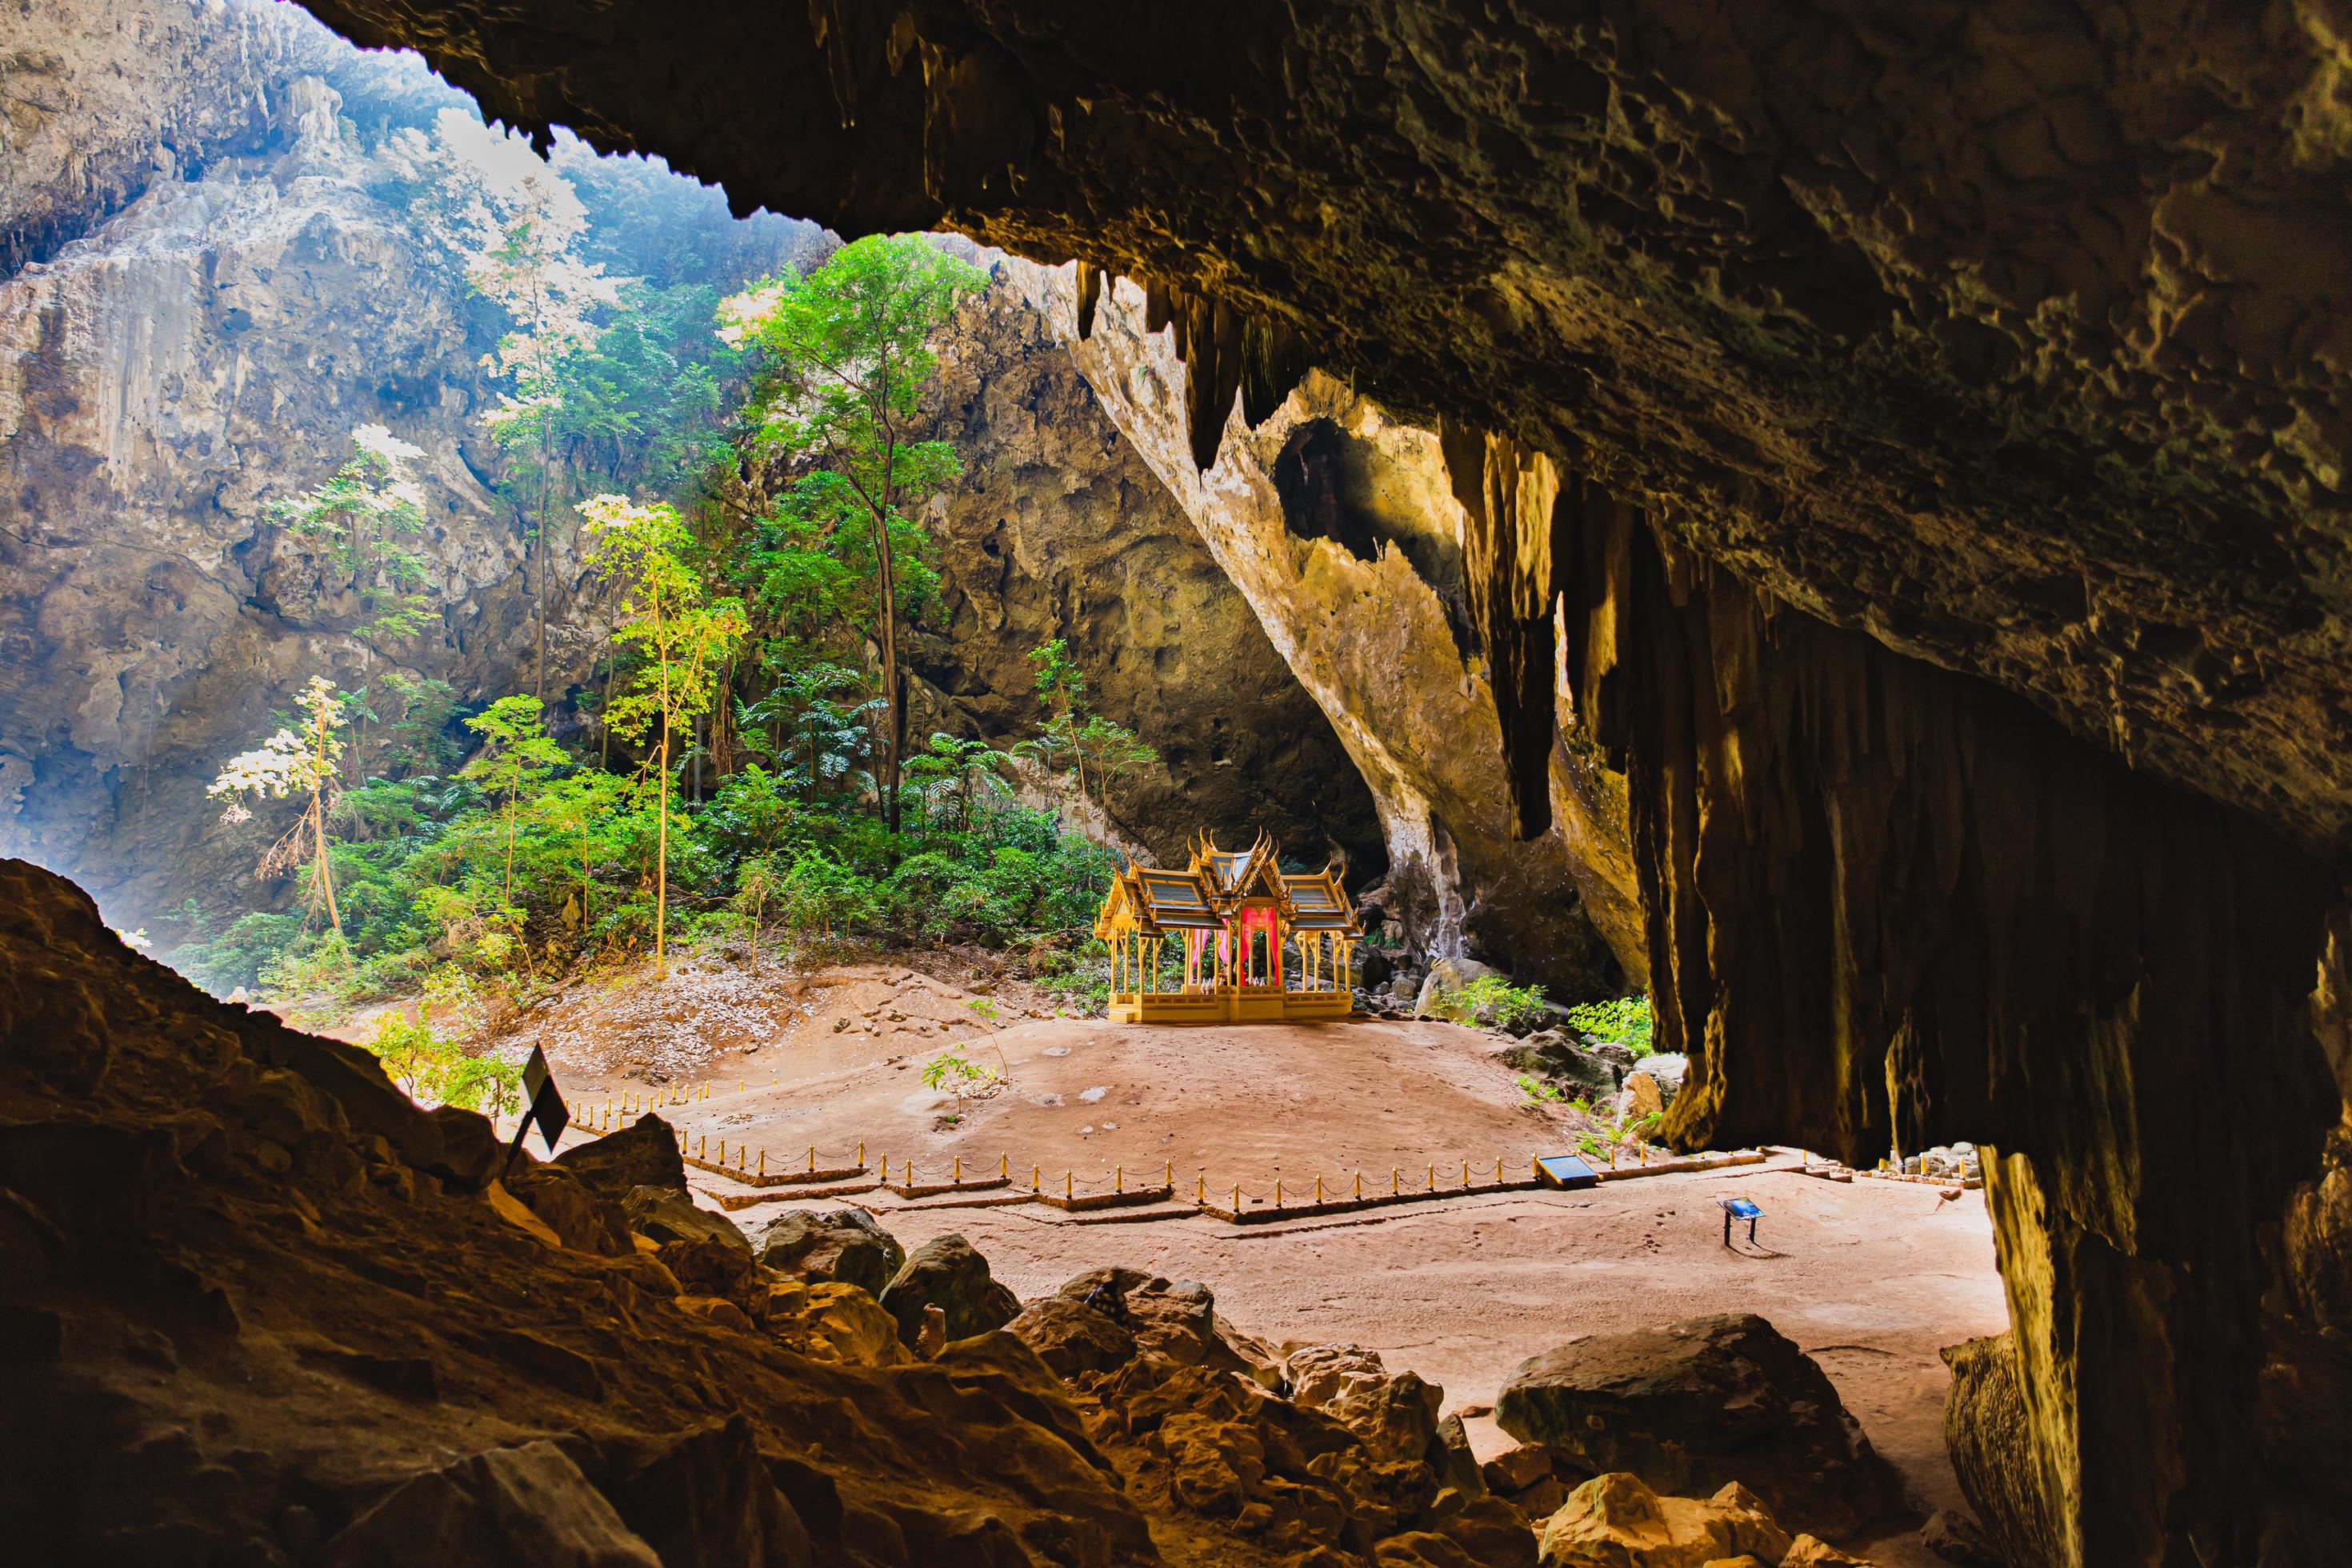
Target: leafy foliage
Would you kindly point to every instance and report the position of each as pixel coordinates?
(1624, 1020)
(1489, 999)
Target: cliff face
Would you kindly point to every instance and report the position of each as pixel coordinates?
(202, 353)
(1338, 524)
(206, 351)
(83, 130)
(1059, 528)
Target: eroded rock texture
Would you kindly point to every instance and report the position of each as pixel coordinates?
(256, 1299)
(1058, 528)
(84, 131)
(2018, 338)
(166, 378)
(1887, 904)
(1337, 522)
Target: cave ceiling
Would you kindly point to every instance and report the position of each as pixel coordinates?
(2014, 335)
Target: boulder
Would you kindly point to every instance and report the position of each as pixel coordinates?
(1072, 1336)
(1812, 1551)
(508, 1508)
(1555, 1056)
(1176, 1319)
(948, 1274)
(1668, 1069)
(829, 1320)
(705, 1499)
(1395, 1414)
(471, 1155)
(1516, 1469)
(1450, 1459)
(1643, 1098)
(1697, 1405)
(1957, 1537)
(705, 1250)
(1447, 974)
(844, 1245)
(642, 1154)
(1614, 1520)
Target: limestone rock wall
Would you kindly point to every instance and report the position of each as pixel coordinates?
(163, 379)
(1888, 906)
(1059, 528)
(1337, 522)
(82, 131)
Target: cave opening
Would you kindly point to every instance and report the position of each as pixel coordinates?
(1826, 672)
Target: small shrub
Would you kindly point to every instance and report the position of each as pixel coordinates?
(1537, 1090)
(961, 1075)
(1624, 1021)
(1492, 999)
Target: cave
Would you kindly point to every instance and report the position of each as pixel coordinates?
(1896, 458)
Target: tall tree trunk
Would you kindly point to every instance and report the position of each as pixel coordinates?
(661, 840)
(546, 436)
(894, 725)
(326, 871)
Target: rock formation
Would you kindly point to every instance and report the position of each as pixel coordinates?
(163, 379)
(1338, 524)
(1058, 528)
(1920, 439)
(1696, 1406)
(207, 349)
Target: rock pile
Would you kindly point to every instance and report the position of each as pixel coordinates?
(1354, 1460)
(1698, 1404)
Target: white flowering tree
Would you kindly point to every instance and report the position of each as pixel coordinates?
(288, 763)
(512, 226)
(363, 518)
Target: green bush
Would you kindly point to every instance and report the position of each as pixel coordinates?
(1624, 1021)
(1489, 998)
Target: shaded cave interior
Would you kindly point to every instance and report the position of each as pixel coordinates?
(1887, 898)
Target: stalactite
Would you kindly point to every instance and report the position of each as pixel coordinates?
(1887, 904)
(1226, 354)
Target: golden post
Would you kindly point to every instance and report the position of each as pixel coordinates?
(1277, 1192)
(1036, 1178)
(1237, 1200)
(1069, 1187)
(1119, 1181)
(763, 1161)
(812, 1158)
(1465, 1175)
(1396, 1181)
(957, 1177)
(1359, 1186)
(1318, 1189)
(1432, 1178)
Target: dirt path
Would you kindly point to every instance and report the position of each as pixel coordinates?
(1872, 1278)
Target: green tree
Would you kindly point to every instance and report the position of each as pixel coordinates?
(847, 353)
(290, 764)
(1072, 726)
(364, 517)
(683, 636)
(515, 758)
(523, 258)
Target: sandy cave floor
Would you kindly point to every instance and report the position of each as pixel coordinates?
(1872, 1278)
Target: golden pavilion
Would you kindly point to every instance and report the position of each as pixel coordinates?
(1230, 938)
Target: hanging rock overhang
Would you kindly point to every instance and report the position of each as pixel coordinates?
(2018, 341)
